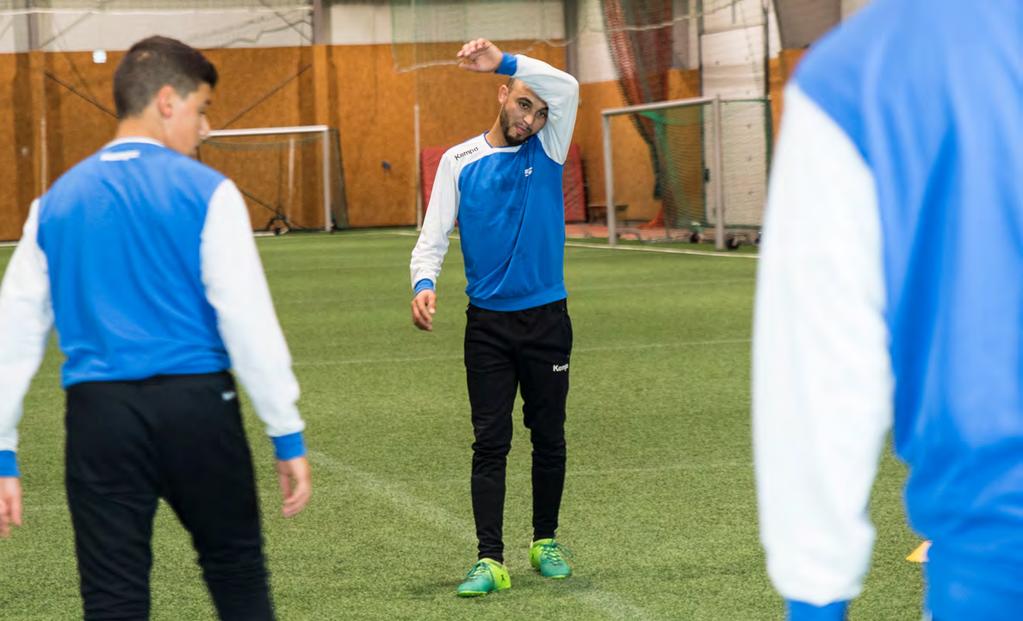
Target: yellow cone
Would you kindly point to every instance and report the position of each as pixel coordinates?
(919, 555)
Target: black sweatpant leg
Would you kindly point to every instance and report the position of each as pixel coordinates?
(112, 491)
(175, 436)
(491, 379)
(542, 362)
(210, 484)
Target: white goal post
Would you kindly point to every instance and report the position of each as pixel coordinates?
(291, 134)
(710, 156)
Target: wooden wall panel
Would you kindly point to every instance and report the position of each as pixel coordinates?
(356, 89)
(80, 114)
(374, 117)
(376, 103)
(18, 155)
(258, 87)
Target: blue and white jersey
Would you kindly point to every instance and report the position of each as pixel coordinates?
(121, 233)
(890, 294)
(508, 202)
(145, 262)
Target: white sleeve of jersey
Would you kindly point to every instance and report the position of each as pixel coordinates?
(236, 288)
(822, 382)
(428, 255)
(561, 93)
(26, 316)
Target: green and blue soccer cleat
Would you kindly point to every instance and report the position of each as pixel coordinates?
(548, 557)
(486, 576)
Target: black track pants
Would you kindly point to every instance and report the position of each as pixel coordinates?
(179, 438)
(525, 350)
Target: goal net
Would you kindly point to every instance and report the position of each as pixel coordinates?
(290, 176)
(709, 156)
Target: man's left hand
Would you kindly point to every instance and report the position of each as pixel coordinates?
(479, 55)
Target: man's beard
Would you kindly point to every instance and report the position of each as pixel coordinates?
(505, 129)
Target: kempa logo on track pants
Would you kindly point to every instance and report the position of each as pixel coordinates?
(558, 368)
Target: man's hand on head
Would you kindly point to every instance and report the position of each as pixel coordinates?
(480, 55)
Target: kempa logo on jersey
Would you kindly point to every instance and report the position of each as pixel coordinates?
(464, 153)
(558, 368)
(529, 171)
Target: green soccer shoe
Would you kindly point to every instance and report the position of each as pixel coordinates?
(486, 576)
(548, 557)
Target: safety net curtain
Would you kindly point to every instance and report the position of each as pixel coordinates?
(640, 37)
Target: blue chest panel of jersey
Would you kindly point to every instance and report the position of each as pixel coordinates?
(121, 232)
(512, 226)
(935, 110)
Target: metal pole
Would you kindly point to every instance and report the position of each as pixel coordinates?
(417, 181)
(719, 173)
(609, 183)
(291, 176)
(326, 180)
(43, 153)
(319, 23)
(767, 48)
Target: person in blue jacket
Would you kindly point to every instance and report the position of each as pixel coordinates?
(144, 260)
(890, 295)
(504, 188)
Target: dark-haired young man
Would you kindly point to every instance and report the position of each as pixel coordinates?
(144, 260)
(504, 187)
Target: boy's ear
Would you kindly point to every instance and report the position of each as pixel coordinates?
(165, 100)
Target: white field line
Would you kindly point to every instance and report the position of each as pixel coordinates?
(604, 473)
(452, 357)
(700, 253)
(609, 604)
(578, 350)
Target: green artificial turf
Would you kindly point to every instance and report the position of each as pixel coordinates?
(659, 506)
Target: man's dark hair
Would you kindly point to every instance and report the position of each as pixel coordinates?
(153, 63)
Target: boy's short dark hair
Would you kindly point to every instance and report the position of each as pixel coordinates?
(153, 63)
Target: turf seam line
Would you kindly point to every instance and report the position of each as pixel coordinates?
(459, 356)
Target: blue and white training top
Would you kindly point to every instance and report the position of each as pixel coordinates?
(508, 202)
(144, 260)
(890, 293)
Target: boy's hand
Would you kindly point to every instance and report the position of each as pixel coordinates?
(424, 305)
(10, 504)
(296, 484)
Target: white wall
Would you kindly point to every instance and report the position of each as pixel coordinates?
(594, 62)
(355, 22)
(121, 23)
(13, 34)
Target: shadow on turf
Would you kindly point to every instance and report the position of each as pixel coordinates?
(529, 583)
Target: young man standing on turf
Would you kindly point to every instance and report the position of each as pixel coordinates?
(144, 259)
(504, 188)
(903, 131)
